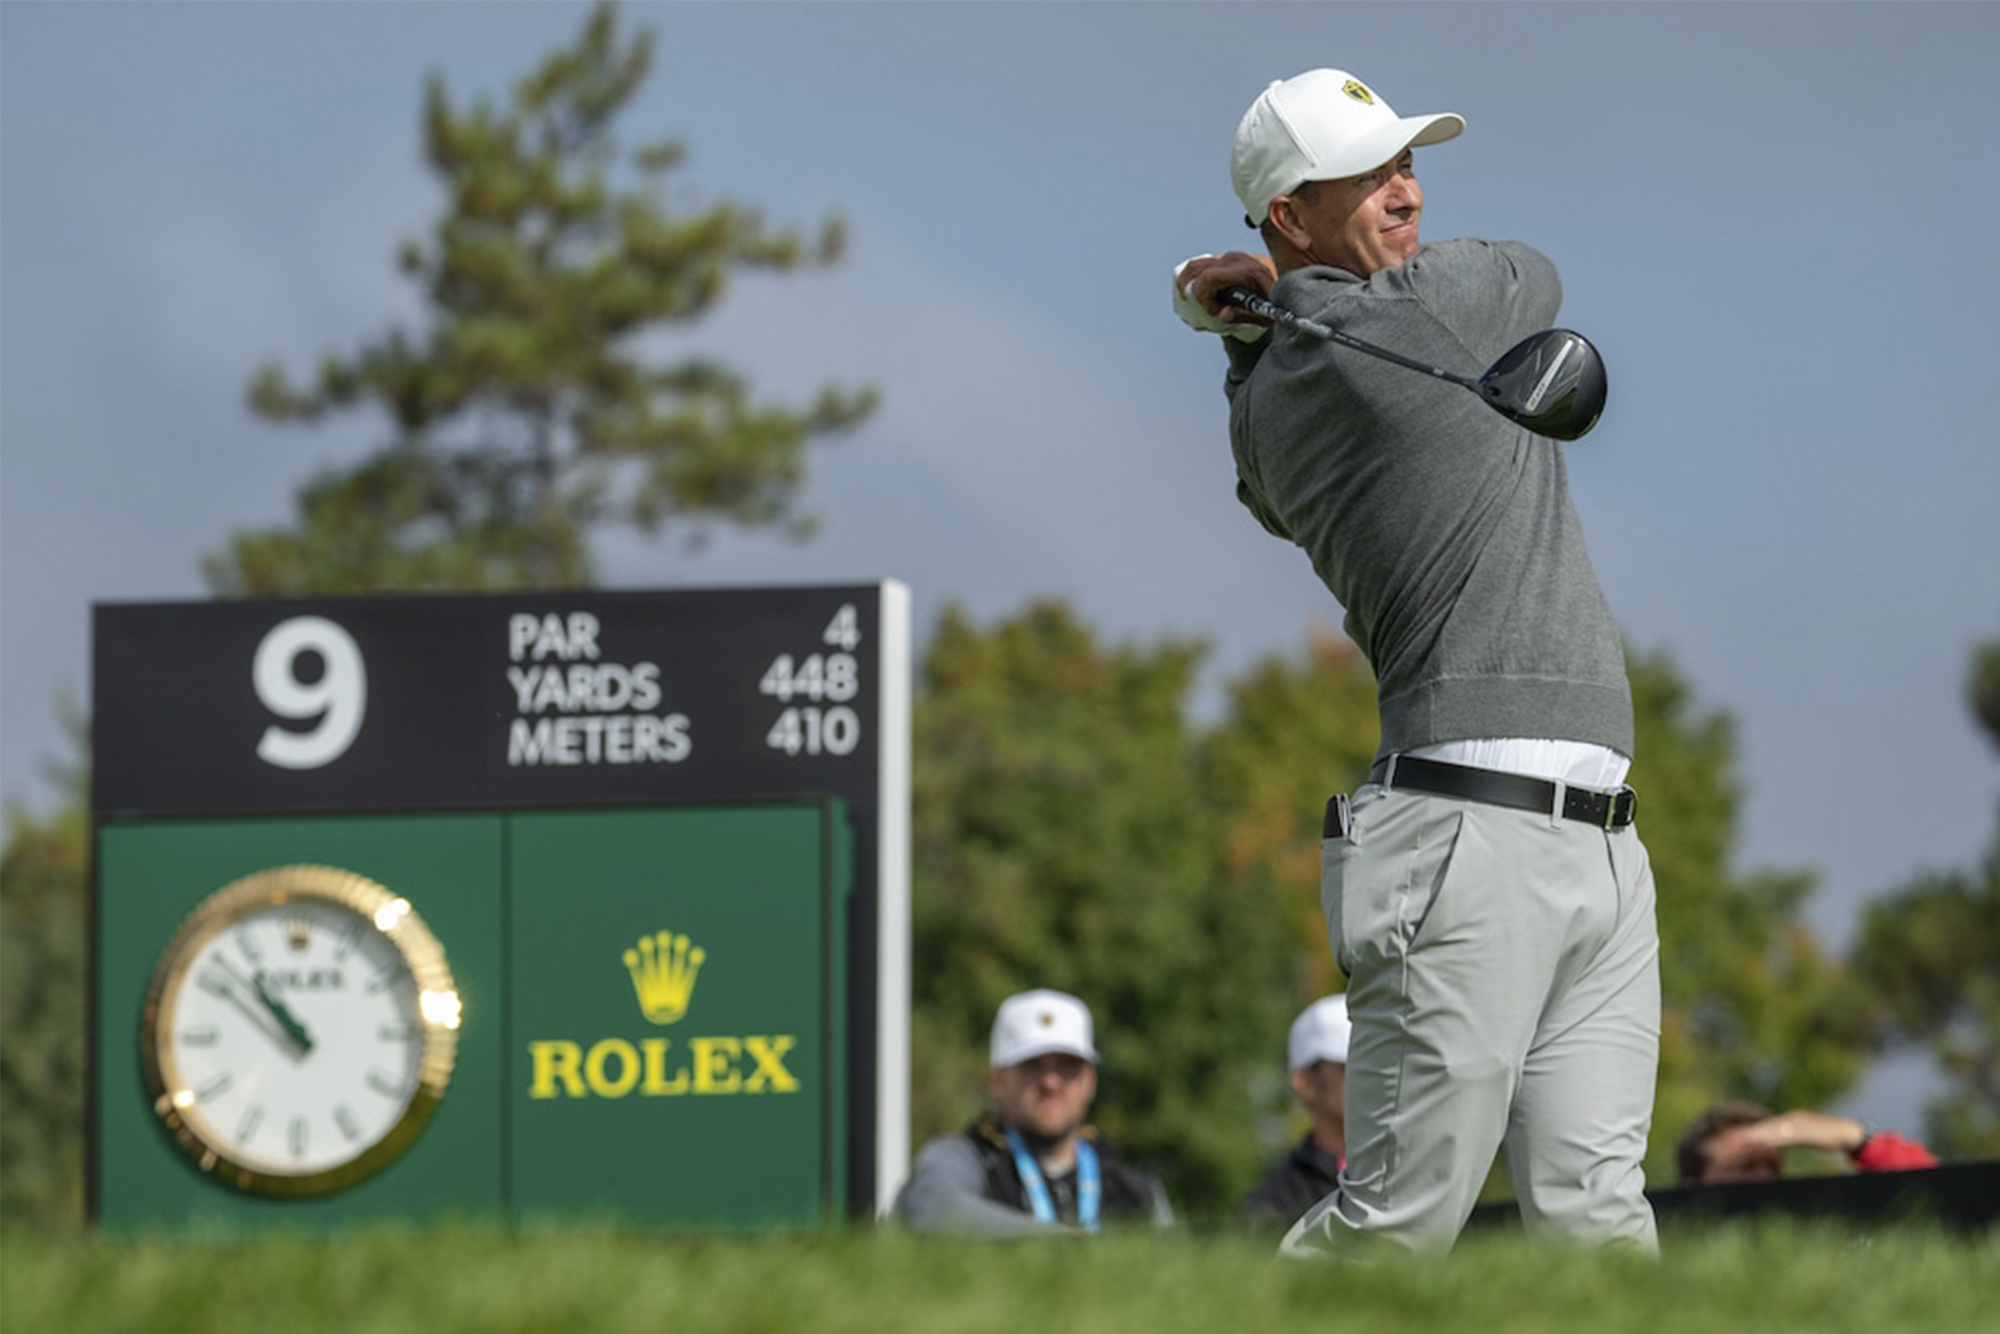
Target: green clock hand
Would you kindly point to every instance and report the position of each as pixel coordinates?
(294, 1030)
(232, 986)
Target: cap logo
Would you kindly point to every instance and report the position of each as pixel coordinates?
(1047, 1019)
(1358, 90)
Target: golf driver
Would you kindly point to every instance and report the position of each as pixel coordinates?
(1551, 382)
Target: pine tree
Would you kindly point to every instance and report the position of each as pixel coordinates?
(528, 414)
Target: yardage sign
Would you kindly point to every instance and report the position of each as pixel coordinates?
(507, 700)
(549, 701)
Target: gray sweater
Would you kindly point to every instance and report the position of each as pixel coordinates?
(1445, 530)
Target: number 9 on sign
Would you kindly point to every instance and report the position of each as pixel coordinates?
(337, 696)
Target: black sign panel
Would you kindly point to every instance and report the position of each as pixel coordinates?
(486, 701)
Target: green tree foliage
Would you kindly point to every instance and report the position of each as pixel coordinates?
(1754, 1006)
(1932, 948)
(43, 918)
(527, 414)
(1060, 794)
(1073, 830)
(1296, 731)
(1061, 839)
(1982, 689)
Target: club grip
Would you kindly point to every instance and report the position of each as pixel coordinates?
(1245, 299)
(1250, 301)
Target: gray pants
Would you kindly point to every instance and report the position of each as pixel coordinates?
(1503, 984)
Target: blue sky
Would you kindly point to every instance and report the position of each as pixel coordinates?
(1771, 218)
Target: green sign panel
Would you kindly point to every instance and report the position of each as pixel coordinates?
(674, 985)
(649, 1021)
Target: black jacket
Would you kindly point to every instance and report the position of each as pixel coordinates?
(1129, 1195)
(1294, 1184)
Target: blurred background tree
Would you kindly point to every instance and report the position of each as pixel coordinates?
(44, 918)
(1061, 839)
(1931, 949)
(1073, 829)
(1754, 1006)
(526, 415)
(1294, 731)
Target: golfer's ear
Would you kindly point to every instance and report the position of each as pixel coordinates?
(1285, 221)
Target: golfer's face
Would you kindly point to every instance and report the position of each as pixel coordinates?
(1047, 1096)
(1365, 223)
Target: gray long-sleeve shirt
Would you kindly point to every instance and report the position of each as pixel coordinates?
(1445, 530)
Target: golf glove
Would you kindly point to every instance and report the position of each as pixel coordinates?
(1195, 315)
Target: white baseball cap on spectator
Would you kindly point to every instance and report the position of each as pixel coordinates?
(1320, 1033)
(1323, 125)
(1035, 1023)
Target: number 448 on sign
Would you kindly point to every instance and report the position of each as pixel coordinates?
(817, 676)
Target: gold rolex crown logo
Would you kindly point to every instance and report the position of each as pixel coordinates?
(663, 967)
(1358, 90)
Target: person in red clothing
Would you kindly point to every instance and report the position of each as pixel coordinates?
(1740, 1141)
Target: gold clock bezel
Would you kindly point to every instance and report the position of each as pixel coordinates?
(438, 1005)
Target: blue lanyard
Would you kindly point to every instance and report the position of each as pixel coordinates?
(1089, 1190)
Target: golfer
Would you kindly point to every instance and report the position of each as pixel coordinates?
(1486, 892)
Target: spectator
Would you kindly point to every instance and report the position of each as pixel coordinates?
(1740, 1141)
(1031, 1164)
(1318, 1058)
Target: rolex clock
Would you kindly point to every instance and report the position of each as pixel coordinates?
(299, 1030)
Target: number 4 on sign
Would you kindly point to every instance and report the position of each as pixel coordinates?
(844, 630)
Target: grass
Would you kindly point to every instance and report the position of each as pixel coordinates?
(1763, 1278)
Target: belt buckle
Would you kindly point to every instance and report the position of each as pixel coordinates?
(1629, 799)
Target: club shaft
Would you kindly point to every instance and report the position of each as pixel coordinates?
(1271, 310)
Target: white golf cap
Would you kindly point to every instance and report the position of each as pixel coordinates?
(1320, 1033)
(1323, 125)
(1035, 1023)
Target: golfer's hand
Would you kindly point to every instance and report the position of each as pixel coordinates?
(1198, 280)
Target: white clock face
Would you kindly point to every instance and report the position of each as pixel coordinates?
(292, 1043)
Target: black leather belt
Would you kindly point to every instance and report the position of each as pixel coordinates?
(1606, 810)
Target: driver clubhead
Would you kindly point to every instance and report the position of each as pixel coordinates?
(1551, 382)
